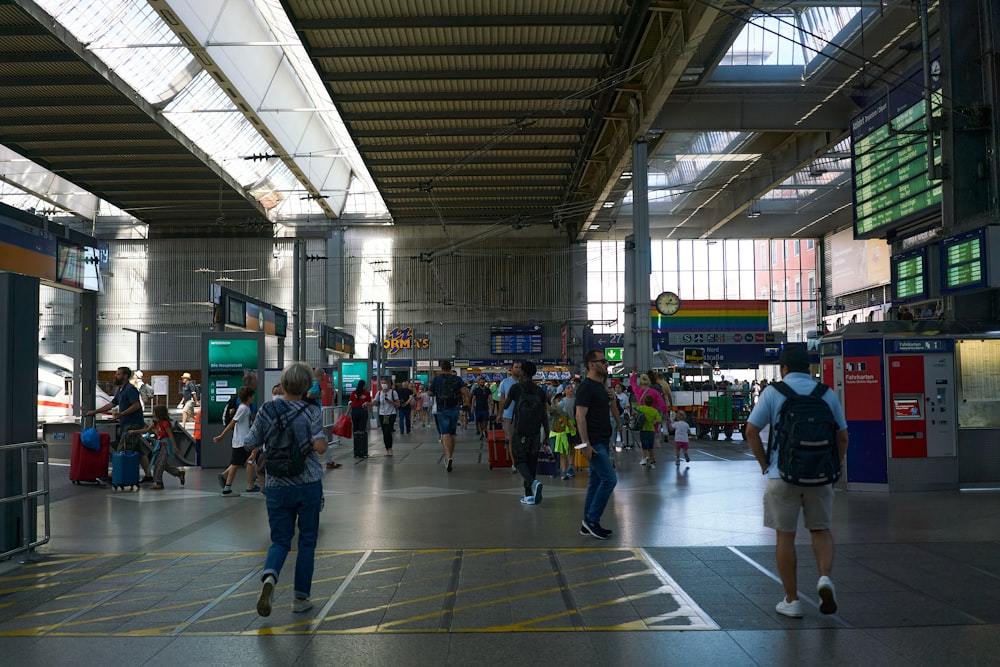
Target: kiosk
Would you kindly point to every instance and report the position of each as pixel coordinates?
(915, 408)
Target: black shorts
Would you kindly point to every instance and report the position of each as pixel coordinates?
(239, 457)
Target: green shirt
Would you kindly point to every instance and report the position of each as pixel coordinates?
(652, 417)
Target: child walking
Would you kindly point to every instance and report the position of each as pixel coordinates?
(240, 426)
(682, 431)
(647, 435)
(164, 433)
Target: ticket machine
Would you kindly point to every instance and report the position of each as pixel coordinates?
(897, 383)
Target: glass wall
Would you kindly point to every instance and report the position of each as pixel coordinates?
(782, 271)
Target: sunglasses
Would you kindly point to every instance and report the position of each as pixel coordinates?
(599, 361)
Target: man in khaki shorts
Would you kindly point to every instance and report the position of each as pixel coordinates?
(783, 501)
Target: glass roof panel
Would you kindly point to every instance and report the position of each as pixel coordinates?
(781, 45)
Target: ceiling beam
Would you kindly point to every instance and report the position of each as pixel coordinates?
(479, 21)
(432, 50)
(542, 73)
(749, 112)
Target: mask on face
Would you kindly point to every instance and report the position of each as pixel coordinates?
(385, 385)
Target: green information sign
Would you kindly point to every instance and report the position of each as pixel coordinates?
(614, 354)
(228, 354)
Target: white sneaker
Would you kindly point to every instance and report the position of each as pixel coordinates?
(652, 466)
(791, 609)
(827, 596)
(264, 601)
(299, 605)
(644, 461)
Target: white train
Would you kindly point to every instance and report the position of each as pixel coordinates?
(55, 388)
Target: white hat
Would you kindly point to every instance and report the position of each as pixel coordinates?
(185, 376)
(138, 374)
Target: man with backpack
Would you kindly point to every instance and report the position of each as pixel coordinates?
(531, 415)
(805, 455)
(449, 390)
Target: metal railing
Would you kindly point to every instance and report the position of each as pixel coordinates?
(331, 413)
(27, 498)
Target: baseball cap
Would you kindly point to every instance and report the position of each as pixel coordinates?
(794, 356)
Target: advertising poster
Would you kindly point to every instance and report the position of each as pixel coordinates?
(351, 372)
(863, 388)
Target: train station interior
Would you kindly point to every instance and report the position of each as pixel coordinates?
(689, 186)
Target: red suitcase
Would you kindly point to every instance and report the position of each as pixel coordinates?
(86, 465)
(496, 441)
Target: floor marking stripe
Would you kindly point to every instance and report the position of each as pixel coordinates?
(321, 616)
(808, 600)
(702, 451)
(567, 594)
(214, 603)
(448, 612)
(109, 597)
(678, 591)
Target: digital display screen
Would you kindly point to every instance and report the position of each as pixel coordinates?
(891, 182)
(228, 354)
(69, 264)
(909, 276)
(280, 324)
(963, 261)
(236, 313)
(907, 408)
(516, 340)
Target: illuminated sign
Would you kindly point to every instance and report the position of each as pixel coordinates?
(403, 339)
(516, 339)
(889, 160)
(967, 260)
(910, 276)
(614, 354)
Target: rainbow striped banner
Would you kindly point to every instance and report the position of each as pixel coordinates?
(714, 315)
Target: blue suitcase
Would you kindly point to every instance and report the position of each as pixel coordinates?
(125, 470)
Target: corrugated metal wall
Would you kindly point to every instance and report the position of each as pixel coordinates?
(450, 288)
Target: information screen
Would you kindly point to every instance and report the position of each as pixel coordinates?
(226, 355)
(889, 160)
(516, 340)
(963, 262)
(909, 276)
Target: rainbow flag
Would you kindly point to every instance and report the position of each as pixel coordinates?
(714, 315)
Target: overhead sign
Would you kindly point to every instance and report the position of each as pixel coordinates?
(403, 339)
(725, 337)
(614, 354)
(694, 355)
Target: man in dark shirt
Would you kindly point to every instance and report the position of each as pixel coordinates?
(594, 408)
(481, 399)
(527, 436)
(129, 412)
(405, 406)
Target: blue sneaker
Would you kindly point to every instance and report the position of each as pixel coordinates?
(536, 489)
(527, 500)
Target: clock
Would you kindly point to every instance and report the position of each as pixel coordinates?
(668, 303)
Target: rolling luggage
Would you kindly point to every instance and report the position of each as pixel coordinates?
(361, 444)
(496, 442)
(125, 470)
(88, 465)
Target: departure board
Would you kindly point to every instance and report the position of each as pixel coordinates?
(910, 276)
(891, 183)
(516, 339)
(963, 261)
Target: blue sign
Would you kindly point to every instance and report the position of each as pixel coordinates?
(918, 345)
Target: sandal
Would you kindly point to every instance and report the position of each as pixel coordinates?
(333, 466)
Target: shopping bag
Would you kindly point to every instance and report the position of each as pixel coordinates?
(91, 439)
(343, 427)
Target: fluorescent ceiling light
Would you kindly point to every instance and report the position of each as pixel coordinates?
(717, 157)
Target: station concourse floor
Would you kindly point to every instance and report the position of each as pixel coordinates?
(418, 566)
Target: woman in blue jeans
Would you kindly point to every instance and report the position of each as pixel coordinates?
(292, 499)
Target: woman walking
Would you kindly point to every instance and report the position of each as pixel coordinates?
(293, 497)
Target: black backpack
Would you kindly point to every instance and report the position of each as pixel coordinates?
(638, 420)
(806, 438)
(451, 391)
(230, 410)
(285, 457)
(529, 410)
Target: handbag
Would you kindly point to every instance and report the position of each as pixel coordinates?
(343, 426)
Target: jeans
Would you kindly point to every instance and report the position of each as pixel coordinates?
(404, 420)
(447, 420)
(284, 505)
(603, 480)
(359, 419)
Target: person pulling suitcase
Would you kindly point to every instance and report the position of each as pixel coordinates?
(361, 402)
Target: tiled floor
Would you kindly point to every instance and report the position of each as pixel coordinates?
(417, 566)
